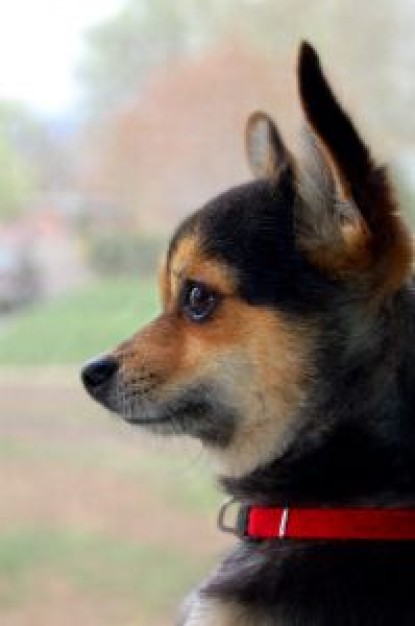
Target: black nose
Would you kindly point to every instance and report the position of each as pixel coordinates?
(98, 372)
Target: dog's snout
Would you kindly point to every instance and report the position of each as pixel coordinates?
(98, 372)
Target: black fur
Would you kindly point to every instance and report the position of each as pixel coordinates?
(357, 445)
(356, 442)
(251, 228)
(357, 448)
(320, 583)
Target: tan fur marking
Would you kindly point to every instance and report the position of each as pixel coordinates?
(394, 265)
(164, 283)
(189, 263)
(384, 271)
(350, 256)
(267, 370)
(335, 236)
(256, 358)
(151, 355)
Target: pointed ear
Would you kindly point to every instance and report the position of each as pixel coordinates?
(376, 240)
(266, 152)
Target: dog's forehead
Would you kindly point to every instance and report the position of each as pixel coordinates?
(188, 261)
(241, 241)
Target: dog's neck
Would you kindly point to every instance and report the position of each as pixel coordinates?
(364, 452)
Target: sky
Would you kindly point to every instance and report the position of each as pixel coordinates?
(40, 44)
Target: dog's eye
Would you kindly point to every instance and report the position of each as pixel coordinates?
(198, 301)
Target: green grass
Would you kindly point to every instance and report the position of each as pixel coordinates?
(117, 579)
(152, 577)
(71, 329)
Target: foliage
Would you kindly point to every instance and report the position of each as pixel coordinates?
(122, 51)
(148, 33)
(33, 156)
(17, 176)
(124, 254)
(173, 130)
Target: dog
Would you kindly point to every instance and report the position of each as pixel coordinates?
(286, 345)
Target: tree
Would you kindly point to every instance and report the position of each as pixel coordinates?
(121, 52)
(17, 176)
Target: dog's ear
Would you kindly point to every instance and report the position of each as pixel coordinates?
(265, 149)
(372, 239)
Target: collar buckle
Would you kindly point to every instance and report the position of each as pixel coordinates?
(238, 526)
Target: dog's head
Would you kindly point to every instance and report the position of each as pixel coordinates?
(247, 282)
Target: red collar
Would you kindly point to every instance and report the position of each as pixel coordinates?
(256, 522)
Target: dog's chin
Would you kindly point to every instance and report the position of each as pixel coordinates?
(195, 411)
(155, 417)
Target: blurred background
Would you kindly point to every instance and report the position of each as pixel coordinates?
(118, 118)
